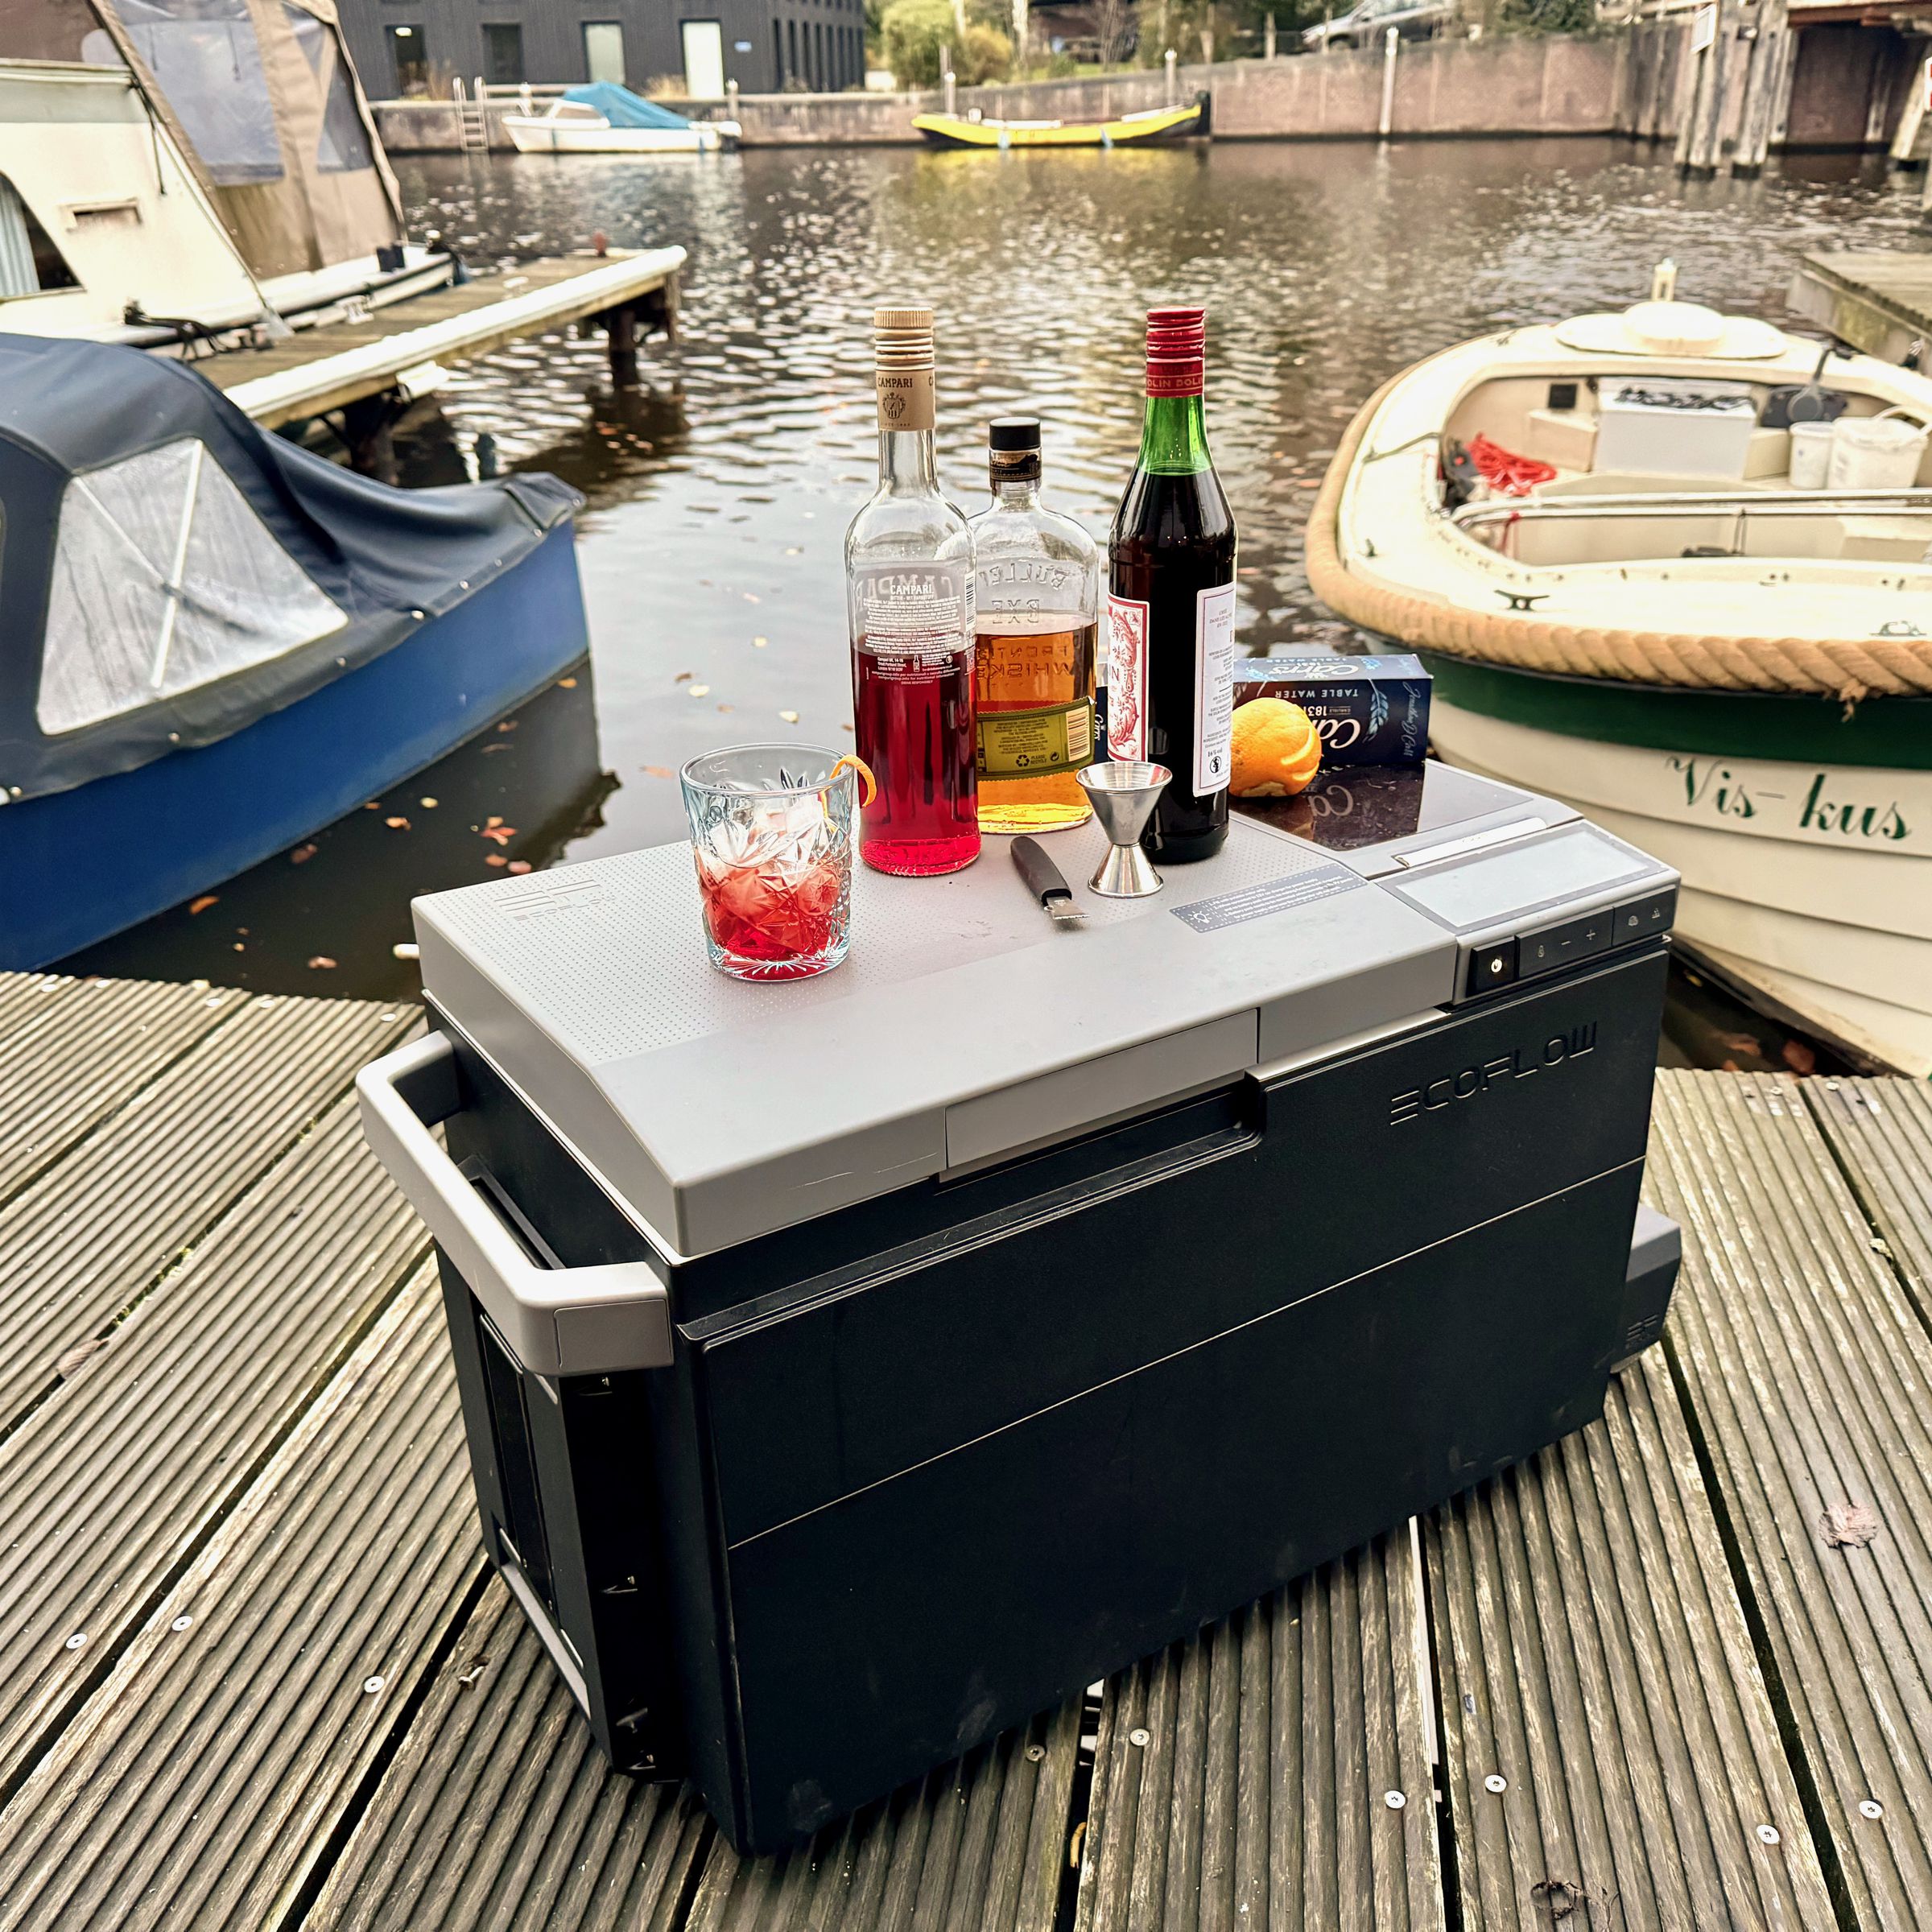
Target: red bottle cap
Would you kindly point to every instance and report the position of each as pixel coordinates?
(1177, 342)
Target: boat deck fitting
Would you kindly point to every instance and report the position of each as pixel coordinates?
(1670, 1673)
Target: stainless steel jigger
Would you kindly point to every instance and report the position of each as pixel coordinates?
(1123, 796)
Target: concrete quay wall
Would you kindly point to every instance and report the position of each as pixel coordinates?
(1544, 84)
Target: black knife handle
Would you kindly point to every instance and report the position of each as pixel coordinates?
(1044, 879)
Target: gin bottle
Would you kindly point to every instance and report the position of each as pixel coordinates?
(910, 588)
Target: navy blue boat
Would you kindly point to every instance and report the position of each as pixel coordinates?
(212, 643)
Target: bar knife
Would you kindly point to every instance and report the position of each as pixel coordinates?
(1046, 882)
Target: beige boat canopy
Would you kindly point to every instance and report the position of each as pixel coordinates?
(261, 97)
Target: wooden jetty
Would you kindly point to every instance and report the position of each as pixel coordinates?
(1879, 302)
(372, 366)
(1675, 1673)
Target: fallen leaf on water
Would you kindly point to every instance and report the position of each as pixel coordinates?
(321, 963)
(566, 683)
(202, 904)
(397, 824)
(428, 804)
(508, 725)
(519, 865)
(659, 771)
(372, 805)
(303, 854)
(1848, 1525)
(496, 858)
(495, 818)
(500, 834)
(239, 947)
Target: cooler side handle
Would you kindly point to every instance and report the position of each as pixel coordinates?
(559, 1321)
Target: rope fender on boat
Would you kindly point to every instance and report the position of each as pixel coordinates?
(1846, 668)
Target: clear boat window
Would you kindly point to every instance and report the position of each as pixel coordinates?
(205, 56)
(164, 580)
(30, 263)
(343, 145)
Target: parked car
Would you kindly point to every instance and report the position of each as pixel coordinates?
(1364, 24)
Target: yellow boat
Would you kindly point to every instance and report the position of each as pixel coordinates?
(1150, 124)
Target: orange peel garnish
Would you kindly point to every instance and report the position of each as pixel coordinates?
(869, 786)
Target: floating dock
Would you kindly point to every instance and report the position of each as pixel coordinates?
(1879, 302)
(370, 367)
(1672, 1673)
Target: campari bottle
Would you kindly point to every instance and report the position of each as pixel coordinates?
(1169, 615)
(910, 588)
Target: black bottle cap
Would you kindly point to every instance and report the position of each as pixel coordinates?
(1013, 432)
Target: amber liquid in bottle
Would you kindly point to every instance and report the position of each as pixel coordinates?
(1035, 733)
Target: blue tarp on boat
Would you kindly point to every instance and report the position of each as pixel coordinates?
(621, 108)
(174, 572)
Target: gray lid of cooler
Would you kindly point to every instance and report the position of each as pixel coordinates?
(965, 1026)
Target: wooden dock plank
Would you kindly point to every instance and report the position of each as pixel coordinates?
(65, 1067)
(86, 1240)
(1878, 301)
(202, 1783)
(1809, 1375)
(978, 1846)
(1275, 1770)
(1612, 1756)
(110, 1486)
(498, 1811)
(321, 368)
(1881, 1132)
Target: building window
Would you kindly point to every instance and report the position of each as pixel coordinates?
(704, 48)
(604, 50)
(204, 55)
(503, 53)
(791, 41)
(411, 56)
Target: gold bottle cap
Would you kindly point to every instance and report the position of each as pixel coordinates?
(885, 320)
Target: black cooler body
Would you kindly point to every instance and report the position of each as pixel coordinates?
(930, 1462)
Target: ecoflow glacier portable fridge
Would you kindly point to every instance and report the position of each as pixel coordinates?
(853, 1366)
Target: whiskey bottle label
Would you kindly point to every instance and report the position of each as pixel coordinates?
(921, 613)
(1025, 744)
(1126, 678)
(1213, 689)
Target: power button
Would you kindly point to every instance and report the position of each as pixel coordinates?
(1491, 966)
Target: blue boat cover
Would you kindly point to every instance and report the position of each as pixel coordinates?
(621, 108)
(173, 571)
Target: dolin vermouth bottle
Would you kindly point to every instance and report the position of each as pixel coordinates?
(1169, 615)
(909, 586)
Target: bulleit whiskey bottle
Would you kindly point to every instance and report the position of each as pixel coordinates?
(909, 590)
(1039, 600)
(1171, 606)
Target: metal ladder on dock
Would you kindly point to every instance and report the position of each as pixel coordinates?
(472, 130)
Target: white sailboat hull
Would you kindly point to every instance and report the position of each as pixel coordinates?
(540, 135)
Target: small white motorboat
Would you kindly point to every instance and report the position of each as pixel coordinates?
(1673, 566)
(603, 118)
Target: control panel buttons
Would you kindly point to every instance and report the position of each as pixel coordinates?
(1637, 918)
(1491, 967)
(1556, 947)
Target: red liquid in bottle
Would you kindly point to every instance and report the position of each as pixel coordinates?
(913, 717)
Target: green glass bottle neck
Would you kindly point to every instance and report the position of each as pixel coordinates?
(1174, 437)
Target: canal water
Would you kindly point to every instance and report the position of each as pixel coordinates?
(718, 495)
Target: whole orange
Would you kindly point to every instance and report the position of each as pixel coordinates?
(1276, 749)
